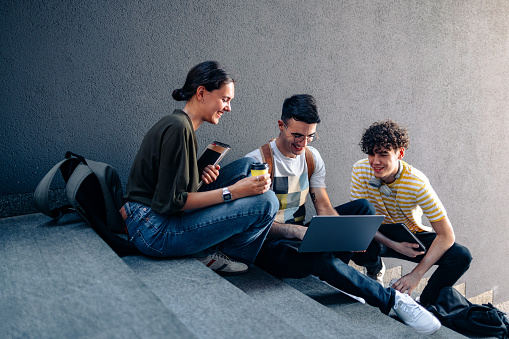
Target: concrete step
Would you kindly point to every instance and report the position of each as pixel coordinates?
(208, 305)
(296, 309)
(360, 314)
(483, 298)
(60, 280)
(504, 307)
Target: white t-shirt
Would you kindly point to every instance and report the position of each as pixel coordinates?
(291, 183)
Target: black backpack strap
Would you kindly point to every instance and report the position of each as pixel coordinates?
(70, 154)
(41, 194)
(78, 176)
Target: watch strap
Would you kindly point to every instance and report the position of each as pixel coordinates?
(227, 196)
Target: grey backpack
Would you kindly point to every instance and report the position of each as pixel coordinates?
(95, 192)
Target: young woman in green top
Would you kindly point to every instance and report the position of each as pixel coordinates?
(224, 222)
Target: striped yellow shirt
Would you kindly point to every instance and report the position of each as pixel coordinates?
(412, 196)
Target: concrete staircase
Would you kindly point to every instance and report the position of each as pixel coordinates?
(60, 280)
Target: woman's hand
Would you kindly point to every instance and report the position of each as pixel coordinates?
(250, 186)
(210, 174)
(243, 188)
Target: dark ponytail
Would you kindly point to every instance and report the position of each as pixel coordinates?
(208, 74)
(178, 95)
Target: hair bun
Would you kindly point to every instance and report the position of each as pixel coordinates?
(178, 94)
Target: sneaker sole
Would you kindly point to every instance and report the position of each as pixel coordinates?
(231, 273)
(430, 332)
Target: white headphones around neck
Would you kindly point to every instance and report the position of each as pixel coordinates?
(377, 183)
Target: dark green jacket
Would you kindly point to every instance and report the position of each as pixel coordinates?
(165, 167)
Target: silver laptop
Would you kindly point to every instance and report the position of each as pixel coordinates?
(339, 233)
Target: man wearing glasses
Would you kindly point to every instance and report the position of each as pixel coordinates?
(291, 183)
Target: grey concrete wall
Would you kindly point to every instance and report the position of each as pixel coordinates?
(93, 76)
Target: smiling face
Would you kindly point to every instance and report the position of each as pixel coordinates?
(288, 143)
(385, 162)
(216, 102)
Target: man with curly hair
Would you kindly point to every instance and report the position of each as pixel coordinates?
(403, 194)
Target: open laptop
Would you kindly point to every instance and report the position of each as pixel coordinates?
(339, 233)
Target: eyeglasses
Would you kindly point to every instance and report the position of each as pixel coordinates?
(299, 137)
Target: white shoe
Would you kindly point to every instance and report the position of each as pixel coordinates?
(414, 315)
(222, 264)
(377, 276)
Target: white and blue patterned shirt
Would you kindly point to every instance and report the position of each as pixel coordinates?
(291, 183)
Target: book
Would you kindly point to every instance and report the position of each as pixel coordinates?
(212, 155)
(401, 233)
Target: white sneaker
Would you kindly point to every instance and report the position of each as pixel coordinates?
(414, 315)
(377, 276)
(222, 264)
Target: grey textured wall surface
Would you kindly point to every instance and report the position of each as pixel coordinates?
(93, 76)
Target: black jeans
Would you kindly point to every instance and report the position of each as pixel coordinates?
(282, 261)
(451, 266)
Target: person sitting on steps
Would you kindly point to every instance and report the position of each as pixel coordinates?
(223, 224)
(402, 193)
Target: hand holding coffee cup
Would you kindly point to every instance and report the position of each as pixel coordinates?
(259, 169)
(258, 183)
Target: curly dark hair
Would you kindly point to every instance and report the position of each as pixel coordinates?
(386, 134)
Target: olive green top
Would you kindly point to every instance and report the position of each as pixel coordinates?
(165, 168)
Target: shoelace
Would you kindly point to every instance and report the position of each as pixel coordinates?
(412, 310)
(221, 255)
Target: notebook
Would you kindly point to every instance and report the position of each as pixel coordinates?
(212, 155)
(339, 233)
(401, 233)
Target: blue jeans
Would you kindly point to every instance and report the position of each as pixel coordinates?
(284, 261)
(236, 228)
(451, 266)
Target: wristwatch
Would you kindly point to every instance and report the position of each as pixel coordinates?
(227, 196)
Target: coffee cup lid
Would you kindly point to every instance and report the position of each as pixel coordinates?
(259, 166)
